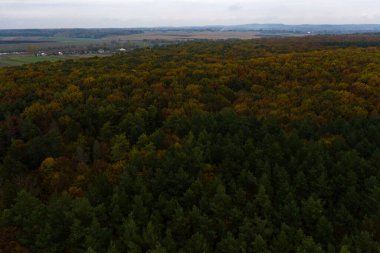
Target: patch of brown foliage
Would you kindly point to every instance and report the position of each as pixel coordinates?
(9, 243)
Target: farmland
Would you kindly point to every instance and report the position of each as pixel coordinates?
(22, 46)
(185, 36)
(17, 51)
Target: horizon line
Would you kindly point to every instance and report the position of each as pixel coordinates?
(196, 26)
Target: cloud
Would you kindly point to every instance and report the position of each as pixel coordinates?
(235, 7)
(136, 13)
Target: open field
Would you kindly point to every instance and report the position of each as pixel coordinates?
(20, 43)
(78, 43)
(183, 36)
(38, 43)
(27, 46)
(17, 60)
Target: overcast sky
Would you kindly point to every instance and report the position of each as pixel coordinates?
(143, 13)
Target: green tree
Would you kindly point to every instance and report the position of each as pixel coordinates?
(119, 147)
(344, 249)
(197, 244)
(259, 245)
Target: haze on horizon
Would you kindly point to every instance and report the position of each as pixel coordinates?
(151, 13)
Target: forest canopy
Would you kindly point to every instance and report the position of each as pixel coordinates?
(268, 145)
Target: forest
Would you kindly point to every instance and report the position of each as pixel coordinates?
(259, 146)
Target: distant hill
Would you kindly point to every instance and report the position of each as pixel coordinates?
(98, 33)
(320, 29)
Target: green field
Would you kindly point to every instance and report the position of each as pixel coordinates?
(17, 60)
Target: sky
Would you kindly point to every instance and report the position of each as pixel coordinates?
(152, 13)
